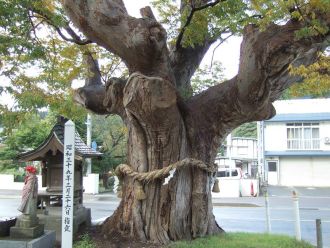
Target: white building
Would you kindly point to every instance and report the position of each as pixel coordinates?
(240, 152)
(296, 143)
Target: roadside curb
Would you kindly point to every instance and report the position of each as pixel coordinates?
(241, 205)
(10, 196)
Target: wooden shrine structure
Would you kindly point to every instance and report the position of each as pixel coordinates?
(50, 154)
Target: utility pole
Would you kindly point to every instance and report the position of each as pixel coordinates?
(261, 150)
(89, 142)
(231, 162)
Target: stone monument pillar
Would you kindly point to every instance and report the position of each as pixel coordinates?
(27, 225)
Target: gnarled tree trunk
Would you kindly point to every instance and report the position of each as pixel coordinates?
(181, 209)
(164, 128)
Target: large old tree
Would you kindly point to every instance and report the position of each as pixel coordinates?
(166, 122)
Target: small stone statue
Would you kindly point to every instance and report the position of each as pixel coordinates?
(27, 225)
(30, 192)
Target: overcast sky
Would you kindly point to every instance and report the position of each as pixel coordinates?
(227, 53)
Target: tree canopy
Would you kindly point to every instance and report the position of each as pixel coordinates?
(42, 52)
(316, 81)
(42, 56)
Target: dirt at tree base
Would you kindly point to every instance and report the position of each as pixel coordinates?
(116, 240)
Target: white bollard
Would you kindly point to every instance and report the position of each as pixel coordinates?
(268, 224)
(296, 215)
(88, 143)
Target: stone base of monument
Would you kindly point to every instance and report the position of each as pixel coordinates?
(27, 226)
(27, 232)
(47, 240)
(53, 220)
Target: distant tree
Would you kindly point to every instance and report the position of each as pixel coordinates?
(248, 130)
(27, 135)
(206, 77)
(316, 79)
(110, 134)
(30, 134)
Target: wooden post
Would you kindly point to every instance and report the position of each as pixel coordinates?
(319, 233)
(268, 224)
(68, 184)
(88, 143)
(296, 215)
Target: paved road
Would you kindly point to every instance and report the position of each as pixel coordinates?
(233, 214)
(238, 219)
(8, 207)
(314, 203)
(101, 209)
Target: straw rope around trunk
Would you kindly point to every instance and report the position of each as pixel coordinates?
(140, 178)
(124, 169)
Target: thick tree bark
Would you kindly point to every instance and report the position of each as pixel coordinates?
(157, 137)
(163, 128)
(185, 62)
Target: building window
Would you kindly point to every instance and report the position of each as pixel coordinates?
(303, 136)
(272, 166)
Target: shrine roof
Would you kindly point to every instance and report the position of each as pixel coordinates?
(55, 142)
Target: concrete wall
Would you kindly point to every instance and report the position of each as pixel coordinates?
(275, 136)
(228, 188)
(7, 182)
(90, 183)
(249, 187)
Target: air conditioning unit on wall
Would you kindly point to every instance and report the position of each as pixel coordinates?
(327, 140)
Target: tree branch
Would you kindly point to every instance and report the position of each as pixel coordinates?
(91, 98)
(93, 70)
(222, 40)
(103, 99)
(74, 37)
(189, 19)
(140, 42)
(184, 62)
(266, 57)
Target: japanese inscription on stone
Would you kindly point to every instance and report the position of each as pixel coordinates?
(68, 184)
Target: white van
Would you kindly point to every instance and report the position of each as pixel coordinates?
(232, 173)
(232, 183)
